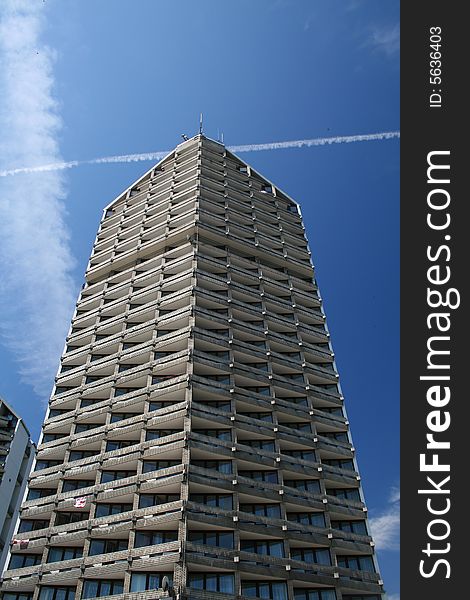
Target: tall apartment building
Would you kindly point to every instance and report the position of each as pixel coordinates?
(196, 444)
(16, 457)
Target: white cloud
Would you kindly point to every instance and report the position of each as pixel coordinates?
(385, 527)
(36, 290)
(386, 39)
(126, 158)
(393, 596)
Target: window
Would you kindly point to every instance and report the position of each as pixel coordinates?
(79, 454)
(18, 561)
(32, 525)
(219, 378)
(223, 539)
(51, 437)
(81, 427)
(213, 582)
(161, 378)
(263, 390)
(152, 538)
(221, 434)
(342, 464)
(35, 494)
(156, 434)
(268, 476)
(272, 511)
(148, 581)
(107, 546)
(311, 555)
(350, 526)
(147, 500)
(267, 445)
(300, 594)
(45, 464)
(118, 445)
(104, 510)
(120, 416)
(224, 501)
(223, 466)
(158, 405)
(303, 454)
(94, 588)
(269, 548)
(220, 404)
(315, 519)
(358, 563)
(359, 597)
(107, 476)
(274, 591)
(64, 518)
(70, 485)
(262, 416)
(19, 596)
(58, 553)
(157, 465)
(47, 592)
(308, 485)
(55, 412)
(345, 494)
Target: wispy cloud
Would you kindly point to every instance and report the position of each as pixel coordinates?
(393, 596)
(147, 156)
(385, 526)
(386, 39)
(36, 290)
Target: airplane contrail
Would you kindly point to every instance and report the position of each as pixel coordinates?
(147, 156)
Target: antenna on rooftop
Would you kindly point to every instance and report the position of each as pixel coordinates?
(200, 124)
(222, 137)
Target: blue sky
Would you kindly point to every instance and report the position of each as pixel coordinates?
(85, 79)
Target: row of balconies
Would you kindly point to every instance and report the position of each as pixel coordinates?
(274, 299)
(298, 285)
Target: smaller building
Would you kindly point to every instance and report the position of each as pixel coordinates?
(16, 457)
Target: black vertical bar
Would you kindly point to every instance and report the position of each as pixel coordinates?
(434, 125)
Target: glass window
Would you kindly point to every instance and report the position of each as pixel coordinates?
(107, 546)
(308, 485)
(223, 466)
(107, 476)
(213, 582)
(59, 553)
(268, 476)
(156, 465)
(104, 510)
(148, 581)
(357, 563)
(269, 548)
(315, 519)
(57, 593)
(222, 539)
(264, 510)
(358, 527)
(273, 591)
(152, 538)
(70, 485)
(94, 588)
(18, 561)
(146, 500)
(319, 556)
(224, 501)
(35, 494)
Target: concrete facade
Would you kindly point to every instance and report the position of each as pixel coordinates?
(196, 436)
(16, 457)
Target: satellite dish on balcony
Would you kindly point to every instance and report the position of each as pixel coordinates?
(165, 584)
